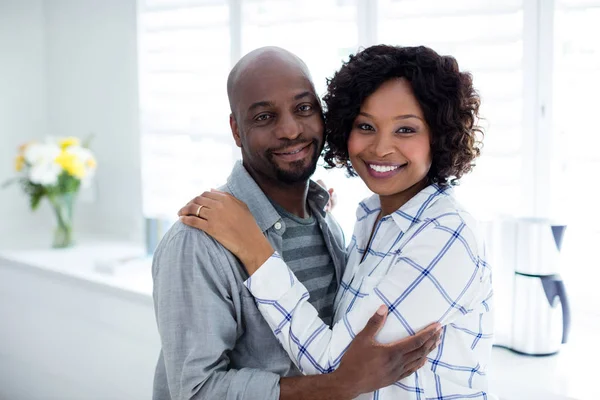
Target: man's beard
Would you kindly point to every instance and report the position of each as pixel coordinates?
(298, 171)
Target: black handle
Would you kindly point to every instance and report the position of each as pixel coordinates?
(566, 310)
(554, 286)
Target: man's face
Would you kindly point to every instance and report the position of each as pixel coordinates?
(278, 123)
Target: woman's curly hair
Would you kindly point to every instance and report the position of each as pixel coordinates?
(449, 102)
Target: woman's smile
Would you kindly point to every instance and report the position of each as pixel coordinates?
(384, 170)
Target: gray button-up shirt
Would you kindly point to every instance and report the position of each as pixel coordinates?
(215, 343)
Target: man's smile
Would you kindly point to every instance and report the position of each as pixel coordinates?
(294, 153)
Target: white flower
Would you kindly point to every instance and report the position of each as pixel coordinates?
(81, 153)
(45, 173)
(41, 153)
(41, 157)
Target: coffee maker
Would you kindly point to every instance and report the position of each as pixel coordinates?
(533, 315)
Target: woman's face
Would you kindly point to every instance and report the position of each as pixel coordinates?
(389, 145)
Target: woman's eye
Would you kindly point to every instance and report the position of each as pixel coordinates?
(365, 127)
(405, 130)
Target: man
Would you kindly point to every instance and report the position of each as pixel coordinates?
(215, 343)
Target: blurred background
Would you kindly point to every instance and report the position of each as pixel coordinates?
(147, 79)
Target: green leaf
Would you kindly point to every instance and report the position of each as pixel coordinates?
(9, 182)
(35, 199)
(66, 184)
(35, 191)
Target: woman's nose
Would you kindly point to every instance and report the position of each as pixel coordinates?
(382, 146)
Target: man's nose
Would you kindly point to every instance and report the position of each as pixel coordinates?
(289, 127)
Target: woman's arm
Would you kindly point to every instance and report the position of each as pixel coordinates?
(433, 279)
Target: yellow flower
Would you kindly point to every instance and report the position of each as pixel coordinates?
(91, 163)
(19, 163)
(67, 142)
(24, 146)
(71, 163)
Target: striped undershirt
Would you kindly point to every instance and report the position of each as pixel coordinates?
(305, 253)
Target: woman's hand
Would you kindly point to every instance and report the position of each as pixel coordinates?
(332, 196)
(229, 221)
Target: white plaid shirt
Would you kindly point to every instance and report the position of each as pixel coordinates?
(426, 263)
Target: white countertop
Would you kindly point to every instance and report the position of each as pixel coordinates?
(120, 265)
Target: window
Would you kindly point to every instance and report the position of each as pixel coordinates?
(320, 32)
(187, 48)
(486, 37)
(186, 144)
(576, 87)
(575, 156)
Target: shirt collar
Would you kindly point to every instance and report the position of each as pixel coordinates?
(243, 187)
(318, 196)
(410, 213)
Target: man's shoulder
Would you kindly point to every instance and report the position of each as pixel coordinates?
(186, 247)
(179, 234)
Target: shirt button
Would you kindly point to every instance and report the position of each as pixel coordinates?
(278, 225)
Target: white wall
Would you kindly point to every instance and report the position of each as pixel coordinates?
(91, 73)
(69, 67)
(23, 112)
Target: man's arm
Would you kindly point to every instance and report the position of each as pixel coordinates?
(197, 326)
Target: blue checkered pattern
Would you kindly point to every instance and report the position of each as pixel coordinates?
(426, 263)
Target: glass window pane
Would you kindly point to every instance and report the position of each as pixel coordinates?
(320, 32)
(183, 101)
(576, 158)
(486, 37)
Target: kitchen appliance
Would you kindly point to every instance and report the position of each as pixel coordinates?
(534, 315)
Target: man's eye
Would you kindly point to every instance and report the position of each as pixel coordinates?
(305, 107)
(262, 117)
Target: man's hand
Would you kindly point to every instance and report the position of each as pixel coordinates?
(369, 365)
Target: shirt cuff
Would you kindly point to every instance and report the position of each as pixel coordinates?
(272, 280)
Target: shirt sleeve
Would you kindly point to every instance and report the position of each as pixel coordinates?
(435, 277)
(197, 325)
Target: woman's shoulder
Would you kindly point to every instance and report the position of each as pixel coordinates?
(447, 210)
(368, 206)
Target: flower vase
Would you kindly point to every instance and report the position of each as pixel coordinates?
(63, 210)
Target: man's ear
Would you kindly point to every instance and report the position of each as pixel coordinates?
(235, 130)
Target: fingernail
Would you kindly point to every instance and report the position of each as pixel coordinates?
(382, 310)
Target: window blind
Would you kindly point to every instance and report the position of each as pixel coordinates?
(184, 59)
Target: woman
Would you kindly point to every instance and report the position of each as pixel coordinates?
(404, 120)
